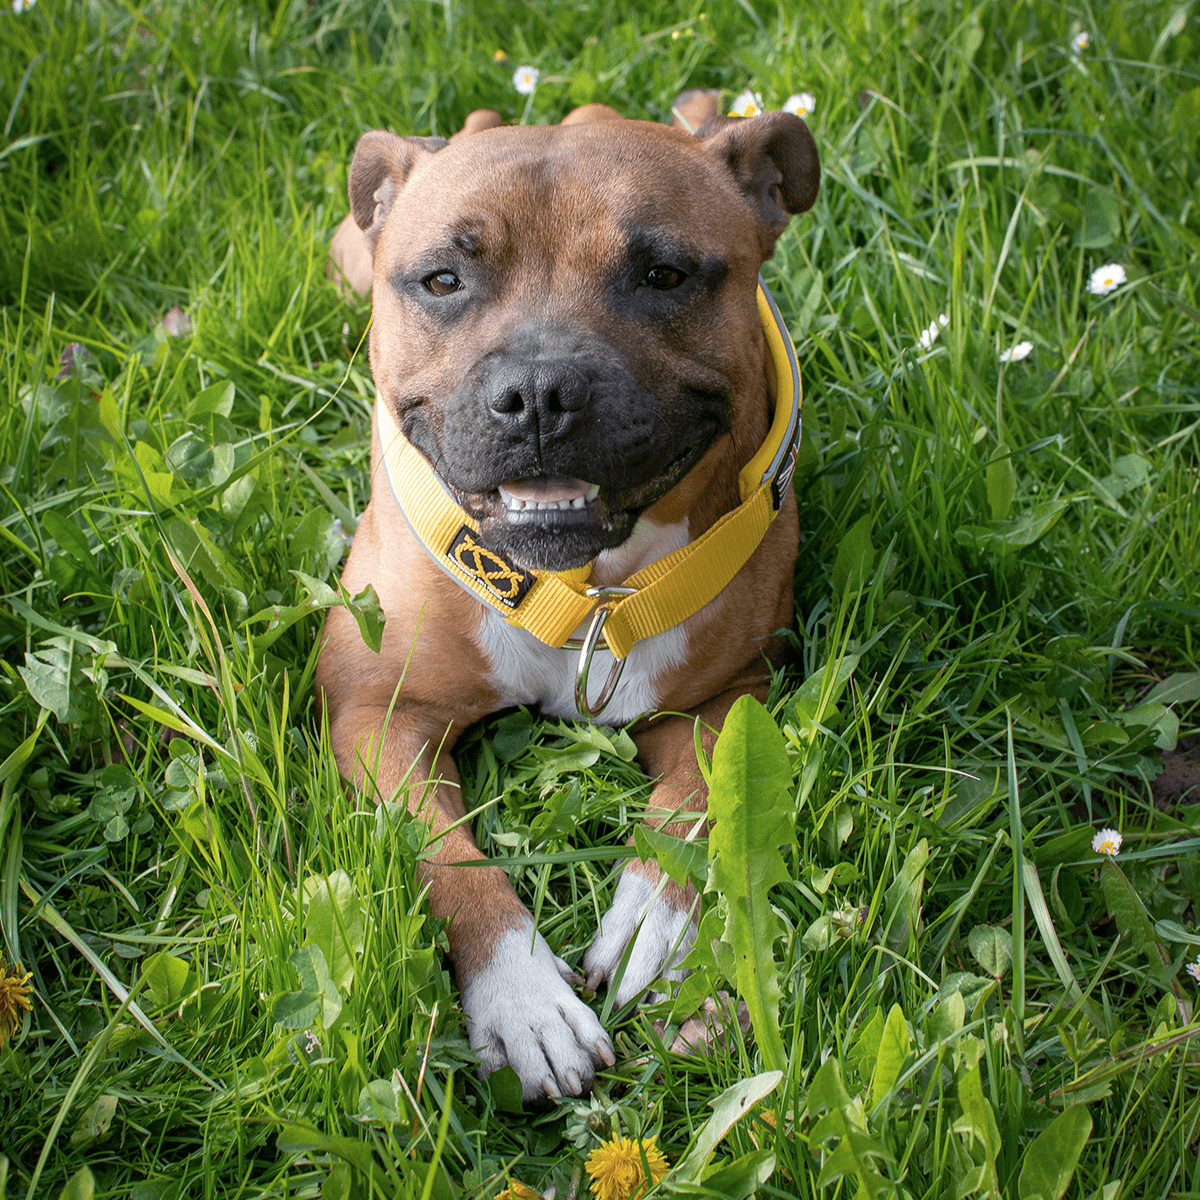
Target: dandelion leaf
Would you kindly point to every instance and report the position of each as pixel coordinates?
(893, 1050)
(751, 814)
(333, 920)
(1050, 1161)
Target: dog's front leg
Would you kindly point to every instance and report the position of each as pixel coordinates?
(516, 993)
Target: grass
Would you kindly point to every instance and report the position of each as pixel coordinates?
(996, 600)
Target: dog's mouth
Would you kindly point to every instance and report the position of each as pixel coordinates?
(547, 500)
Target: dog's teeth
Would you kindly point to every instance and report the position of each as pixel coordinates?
(578, 502)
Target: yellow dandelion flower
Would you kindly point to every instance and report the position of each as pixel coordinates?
(518, 1191)
(14, 998)
(617, 1172)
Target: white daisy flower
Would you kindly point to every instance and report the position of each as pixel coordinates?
(1016, 353)
(525, 79)
(803, 104)
(746, 104)
(20, 6)
(1193, 969)
(1080, 42)
(928, 336)
(1107, 841)
(1106, 279)
(943, 320)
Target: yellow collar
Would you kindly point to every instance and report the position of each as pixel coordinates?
(552, 604)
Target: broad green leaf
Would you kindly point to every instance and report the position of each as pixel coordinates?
(1182, 687)
(318, 1000)
(166, 979)
(751, 814)
(855, 557)
(893, 1051)
(333, 920)
(978, 1125)
(1001, 480)
(829, 678)
(856, 1151)
(47, 675)
(505, 1088)
(947, 1018)
(740, 1178)
(81, 1186)
(839, 876)
(339, 1183)
(1133, 920)
(991, 948)
(1050, 1161)
(680, 859)
(382, 1100)
(728, 1108)
(865, 1050)
(903, 899)
(216, 398)
(1101, 220)
(1023, 530)
(1163, 720)
(95, 1120)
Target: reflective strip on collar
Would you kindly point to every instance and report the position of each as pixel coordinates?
(552, 604)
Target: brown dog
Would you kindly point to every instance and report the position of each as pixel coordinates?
(572, 373)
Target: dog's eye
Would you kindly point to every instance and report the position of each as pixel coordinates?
(663, 278)
(444, 283)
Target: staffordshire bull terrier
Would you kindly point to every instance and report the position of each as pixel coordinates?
(586, 420)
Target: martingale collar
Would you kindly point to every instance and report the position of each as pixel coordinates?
(552, 604)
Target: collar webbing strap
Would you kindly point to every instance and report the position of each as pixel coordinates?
(552, 605)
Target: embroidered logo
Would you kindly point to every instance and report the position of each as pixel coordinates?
(500, 575)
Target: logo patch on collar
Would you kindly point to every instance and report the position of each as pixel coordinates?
(498, 573)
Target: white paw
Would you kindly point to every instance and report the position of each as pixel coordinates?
(521, 1012)
(662, 943)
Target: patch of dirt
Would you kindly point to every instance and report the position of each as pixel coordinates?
(1179, 781)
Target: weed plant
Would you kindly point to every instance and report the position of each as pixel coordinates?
(236, 988)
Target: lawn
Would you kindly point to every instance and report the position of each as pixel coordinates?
(235, 989)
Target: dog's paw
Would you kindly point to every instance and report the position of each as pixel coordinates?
(521, 1012)
(663, 942)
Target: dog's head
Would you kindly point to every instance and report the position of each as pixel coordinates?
(565, 317)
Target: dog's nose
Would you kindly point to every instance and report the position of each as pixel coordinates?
(537, 395)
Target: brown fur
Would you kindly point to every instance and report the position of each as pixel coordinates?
(403, 191)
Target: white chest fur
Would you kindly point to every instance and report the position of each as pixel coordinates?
(527, 671)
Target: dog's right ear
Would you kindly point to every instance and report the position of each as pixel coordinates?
(381, 164)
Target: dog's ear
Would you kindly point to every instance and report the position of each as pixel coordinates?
(381, 164)
(774, 159)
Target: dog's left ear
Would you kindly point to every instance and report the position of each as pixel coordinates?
(774, 159)
(379, 169)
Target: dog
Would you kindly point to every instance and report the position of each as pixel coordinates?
(581, 453)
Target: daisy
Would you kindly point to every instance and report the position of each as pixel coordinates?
(746, 104)
(20, 6)
(1080, 42)
(1106, 279)
(525, 79)
(1193, 969)
(928, 336)
(801, 103)
(1016, 353)
(14, 999)
(1107, 841)
(616, 1168)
